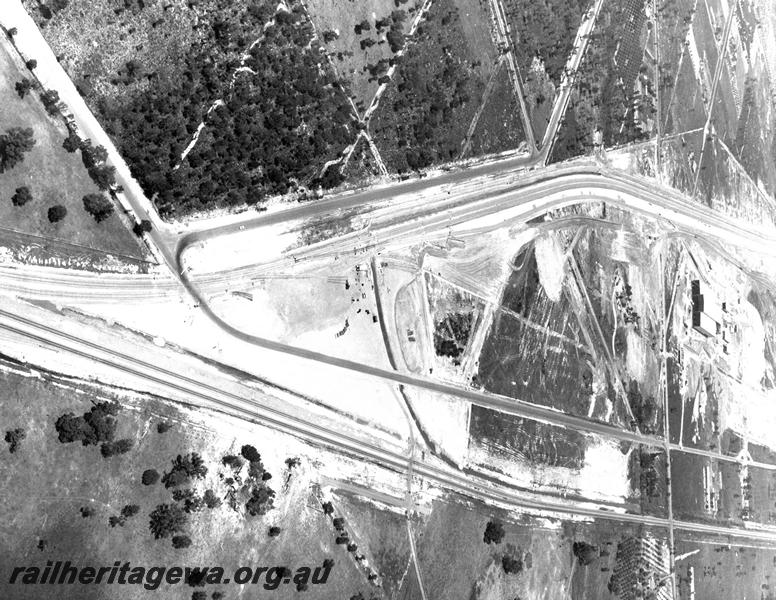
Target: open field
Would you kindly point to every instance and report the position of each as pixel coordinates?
(53, 176)
(70, 477)
(456, 564)
(381, 534)
(724, 571)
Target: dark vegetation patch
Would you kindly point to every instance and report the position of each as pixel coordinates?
(531, 351)
(614, 92)
(451, 335)
(508, 437)
(425, 113)
(284, 119)
(500, 126)
(544, 29)
(543, 33)
(274, 129)
(362, 166)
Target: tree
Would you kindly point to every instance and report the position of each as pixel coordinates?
(191, 500)
(339, 523)
(211, 500)
(130, 510)
(494, 532)
(143, 227)
(57, 213)
(585, 553)
(395, 39)
(250, 453)
(199, 595)
(23, 87)
(184, 467)
(217, 596)
(103, 175)
(163, 427)
(87, 511)
(31, 64)
(72, 142)
(122, 446)
(12, 32)
(261, 501)
(511, 564)
(328, 508)
(232, 461)
(114, 520)
(150, 477)
(95, 426)
(98, 206)
(274, 531)
(167, 519)
(14, 437)
(14, 143)
(22, 196)
(181, 541)
(50, 99)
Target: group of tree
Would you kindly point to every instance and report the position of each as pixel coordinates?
(23, 87)
(95, 426)
(21, 196)
(192, 502)
(49, 9)
(260, 494)
(512, 565)
(166, 520)
(14, 144)
(257, 130)
(102, 174)
(129, 511)
(188, 499)
(541, 29)
(607, 101)
(50, 99)
(275, 131)
(423, 117)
